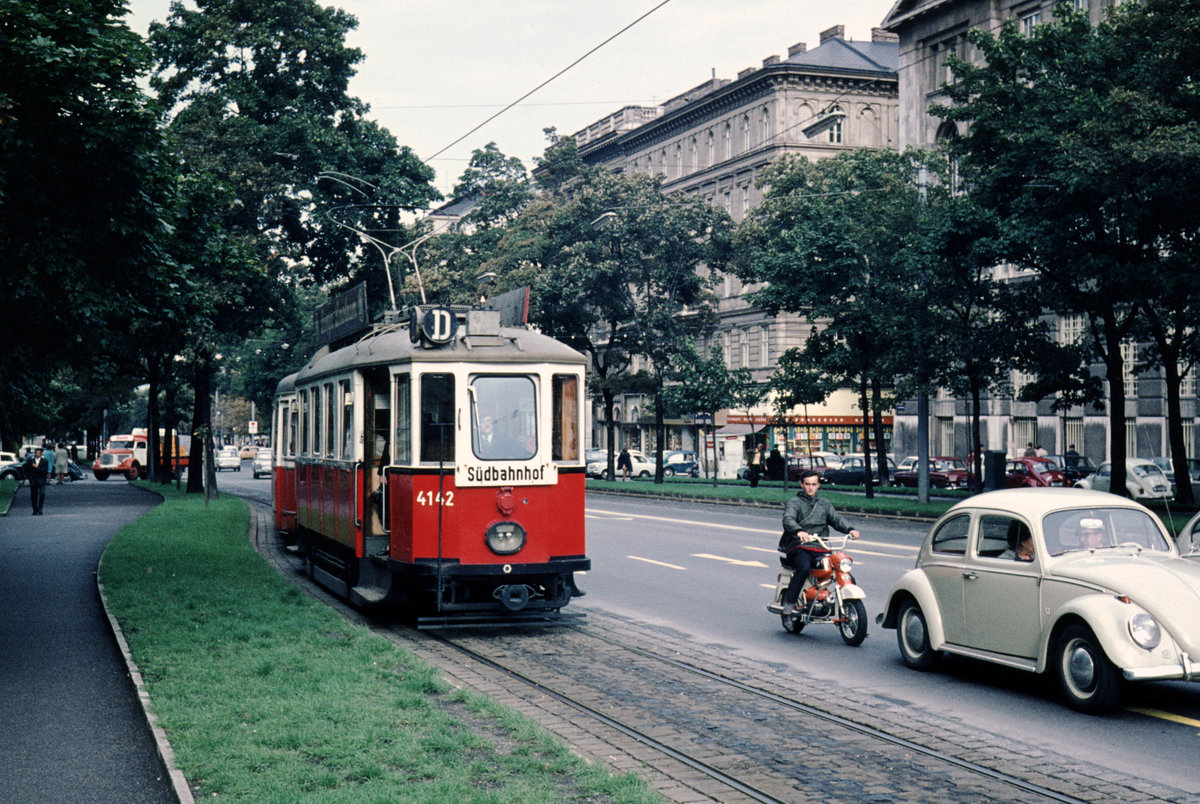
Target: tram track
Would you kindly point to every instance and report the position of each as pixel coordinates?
(701, 723)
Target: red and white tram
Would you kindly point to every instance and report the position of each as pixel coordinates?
(437, 465)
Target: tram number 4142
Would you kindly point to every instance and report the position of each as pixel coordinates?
(435, 498)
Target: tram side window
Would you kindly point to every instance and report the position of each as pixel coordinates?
(402, 438)
(312, 415)
(330, 422)
(566, 418)
(293, 426)
(504, 418)
(437, 417)
(347, 420)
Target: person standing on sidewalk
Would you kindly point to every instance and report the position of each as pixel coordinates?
(38, 472)
(61, 462)
(757, 461)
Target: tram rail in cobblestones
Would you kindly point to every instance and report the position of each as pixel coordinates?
(701, 723)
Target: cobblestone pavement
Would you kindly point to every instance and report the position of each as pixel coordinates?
(788, 754)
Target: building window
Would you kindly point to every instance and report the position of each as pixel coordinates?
(744, 196)
(1187, 381)
(764, 349)
(1080, 5)
(743, 349)
(1024, 433)
(835, 130)
(745, 133)
(726, 202)
(1129, 356)
(711, 150)
(727, 145)
(1131, 450)
(1189, 438)
(1072, 329)
(1030, 21)
(766, 126)
(1073, 433)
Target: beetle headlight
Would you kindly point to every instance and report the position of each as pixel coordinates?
(845, 565)
(505, 538)
(1144, 630)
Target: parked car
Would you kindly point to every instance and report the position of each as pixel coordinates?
(7, 457)
(1143, 479)
(796, 464)
(1033, 473)
(1103, 597)
(853, 471)
(227, 458)
(263, 463)
(1074, 467)
(681, 462)
(16, 471)
(642, 467)
(1193, 470)
(944, 473)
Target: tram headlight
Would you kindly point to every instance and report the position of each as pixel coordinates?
(505, 538)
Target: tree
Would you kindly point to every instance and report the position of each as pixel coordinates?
(830, 240)
(799, 382)
(82, 192)
(705, 385)
(266, 138)
(614, 268)
(1081, 142)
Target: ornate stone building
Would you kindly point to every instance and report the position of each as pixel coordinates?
(714, 140)
(928, 31)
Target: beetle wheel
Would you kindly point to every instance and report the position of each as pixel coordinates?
(912, 635)
(1086, 676)
(854, 622)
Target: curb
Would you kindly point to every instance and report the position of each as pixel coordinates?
(166, 755)
(768, 504)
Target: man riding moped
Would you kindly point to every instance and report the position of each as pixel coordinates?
(806, 517)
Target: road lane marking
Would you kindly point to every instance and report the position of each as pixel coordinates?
(675, 521)
(1161, 715)
(658, 563)
(609, 517)
(733, 561)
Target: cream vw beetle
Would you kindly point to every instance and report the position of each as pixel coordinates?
(1084, 585)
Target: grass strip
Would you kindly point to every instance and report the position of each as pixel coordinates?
(268, 696)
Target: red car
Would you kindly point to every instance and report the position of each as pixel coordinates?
(944, 473)
(1033, 473)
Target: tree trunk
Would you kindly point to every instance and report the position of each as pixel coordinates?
(880, 445)
(1114, 372)
(866, 429)
(200, 459)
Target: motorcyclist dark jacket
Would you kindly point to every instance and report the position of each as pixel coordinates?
(813, 516)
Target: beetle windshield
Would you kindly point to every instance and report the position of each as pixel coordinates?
(1099, 528)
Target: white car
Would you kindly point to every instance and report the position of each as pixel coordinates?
(1143, 479)
(1084, 586)
(227, 458)
(641, 466)
(263, 462)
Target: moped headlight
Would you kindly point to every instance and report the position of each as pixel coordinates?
(846, 564)
(505, 538)
(1144, 630)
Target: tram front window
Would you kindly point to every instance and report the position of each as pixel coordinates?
(503, 418)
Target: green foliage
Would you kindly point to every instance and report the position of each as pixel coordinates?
(83, 189)
(1082, 141)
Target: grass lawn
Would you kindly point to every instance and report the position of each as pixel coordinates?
(268, 696)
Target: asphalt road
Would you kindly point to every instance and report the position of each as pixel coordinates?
(73, 730)
(710, 571)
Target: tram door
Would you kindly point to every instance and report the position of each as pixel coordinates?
(377, 415)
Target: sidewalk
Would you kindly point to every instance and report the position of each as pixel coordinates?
(73, 728)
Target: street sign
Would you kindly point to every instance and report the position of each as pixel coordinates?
(253, 427)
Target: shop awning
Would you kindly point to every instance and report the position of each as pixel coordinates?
(739, 429)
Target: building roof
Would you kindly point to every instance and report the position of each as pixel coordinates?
(843, 54)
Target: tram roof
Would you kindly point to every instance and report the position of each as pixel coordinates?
(392, 345)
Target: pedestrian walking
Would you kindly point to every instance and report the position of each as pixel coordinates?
(757, 462)
(37, 470)
(61, 462)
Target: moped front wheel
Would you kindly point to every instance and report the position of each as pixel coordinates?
(854, 622)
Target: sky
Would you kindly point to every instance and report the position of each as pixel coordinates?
(435, 69)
